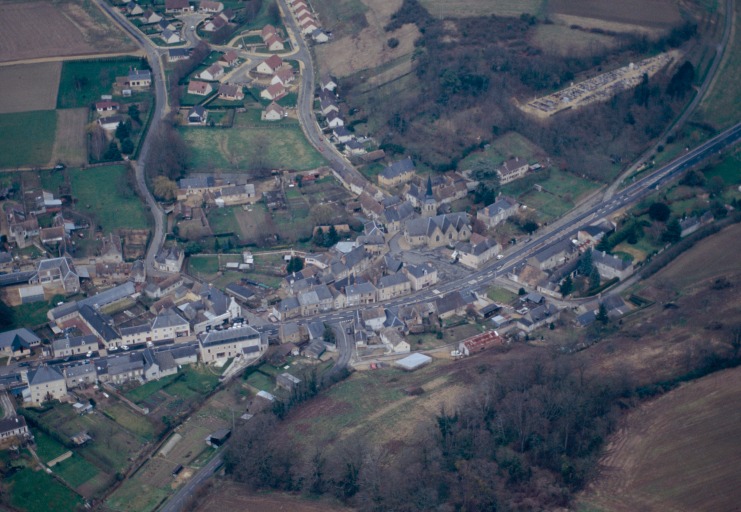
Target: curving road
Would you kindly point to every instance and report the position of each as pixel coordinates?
(154, 56)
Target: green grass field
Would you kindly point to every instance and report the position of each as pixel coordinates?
(722, 107)
(506, 8)
(248, 145)
(131, 421)
(84, 81)
(501, 295)
(561, 191)
(222, 220)
(27, 138)
(106, 194)
(35, 491)
(203, 265)
(729, 169)
(31, 315)
(141, 393)
(47, 448)
(76, 470)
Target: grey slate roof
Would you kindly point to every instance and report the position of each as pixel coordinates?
(398, 168)
(168, 318)
(426, 226)
(7, 337)
(98, 323)
(360, 289)
(392, 280)
(74, 341)
(229, 335)
(44, 374)
(420, 270)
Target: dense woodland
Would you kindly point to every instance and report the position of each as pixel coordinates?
(526, 437)
(467, 78)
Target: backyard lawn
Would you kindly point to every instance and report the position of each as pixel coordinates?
(84, 81)
(27, 138)
(35, 491)
(248, 145)
(107, 195)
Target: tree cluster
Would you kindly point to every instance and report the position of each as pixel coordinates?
(525, 438)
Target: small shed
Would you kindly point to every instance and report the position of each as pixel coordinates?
(219, 437)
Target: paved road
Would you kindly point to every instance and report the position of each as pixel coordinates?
(7, 405)
(154, 56)
(709, 79)
(178, 500)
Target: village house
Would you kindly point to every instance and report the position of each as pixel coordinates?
(57, 274)
(166, 25)
(76, 375)
(207, 6)
(511, 170)
(149, 17)
(106, 106)
(360, 294)
(235, 195)
(308, 24)
(169, 325)
(328, 105)
(538, 317)
(74, 345)
(274, 112)
(395, 341)
(421, 276)
(212, 73)
(158, 364)
(327, 83)
(196, 185)
(591, 235)
(23, 232)
(199, 88)
(120, 368)
(46, 383)
(169, 259)
(134, 9)
(170, 37)
(283, 76)
(499, 211)
(215, 24)
(274, 43)
(397, 173)
(437, 231)
(236, 341)
(18, 342)
(477, 251)
(231, 92)
(553, 256)
(286, 309)
(176, 54)
(273, 92)
(197, 115)
(334, 120)
(392, 286)
(110, 123)
(139, 78)
(319, 36)
(14, 428)
(229, 59)
(177, 6)
(610, 266)
(342, 134)
(290, 332)
(269, 66)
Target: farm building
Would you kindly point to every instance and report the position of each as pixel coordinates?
(480, 342)
(413, 362)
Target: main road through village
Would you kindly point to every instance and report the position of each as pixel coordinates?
(563, 229)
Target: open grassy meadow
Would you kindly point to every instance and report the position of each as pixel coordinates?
(466, 8)
(248, 146)
(561, 39)
(561, 191)
(721, 106)
(35, 491)
(107, 195)
(83, 81)
(27, 138)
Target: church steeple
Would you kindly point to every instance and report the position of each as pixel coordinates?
(429, 186)
(429, 207)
